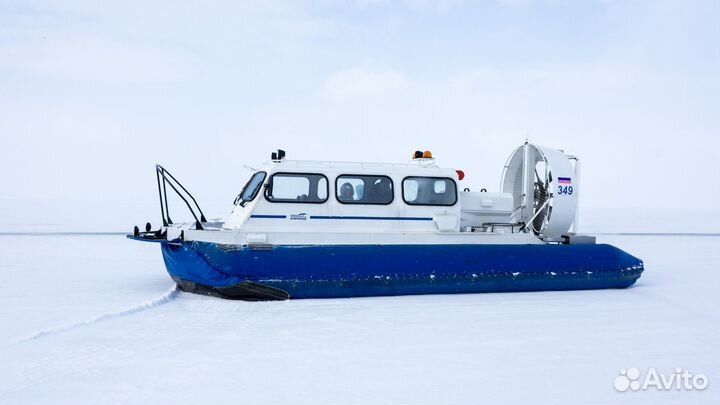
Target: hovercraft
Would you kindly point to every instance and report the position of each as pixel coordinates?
(321, 229)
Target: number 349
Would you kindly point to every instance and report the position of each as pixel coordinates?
(565, 190)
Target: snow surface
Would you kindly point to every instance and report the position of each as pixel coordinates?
(95, 319)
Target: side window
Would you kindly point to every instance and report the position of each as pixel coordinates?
(362, 189)
(429, 191)
(251, 189)
(297, 188)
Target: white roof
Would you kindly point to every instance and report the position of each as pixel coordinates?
(414, 167)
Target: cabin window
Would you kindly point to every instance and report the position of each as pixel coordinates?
(363, 189)
(297, 188)
(251, 189)
(429, 191)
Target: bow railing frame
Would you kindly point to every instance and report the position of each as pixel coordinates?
(165, 178)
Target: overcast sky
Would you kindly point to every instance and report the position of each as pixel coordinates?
(93, 93)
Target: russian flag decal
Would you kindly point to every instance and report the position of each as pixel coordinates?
(564, 180)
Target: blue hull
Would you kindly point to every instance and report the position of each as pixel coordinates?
(309, 271)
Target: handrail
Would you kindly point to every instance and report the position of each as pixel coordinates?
(169, 179)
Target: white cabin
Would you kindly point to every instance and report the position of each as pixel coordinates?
(370, 197)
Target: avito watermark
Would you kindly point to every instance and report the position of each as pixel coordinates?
(631, 379)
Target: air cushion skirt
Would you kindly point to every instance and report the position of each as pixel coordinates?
(333, 271)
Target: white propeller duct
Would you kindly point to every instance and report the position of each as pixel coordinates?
(545, 188)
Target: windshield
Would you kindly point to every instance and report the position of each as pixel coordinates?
(251, 189)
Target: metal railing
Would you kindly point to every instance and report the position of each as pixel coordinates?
(164, 178)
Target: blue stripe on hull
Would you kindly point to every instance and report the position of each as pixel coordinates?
(367, 270)
(372, 218)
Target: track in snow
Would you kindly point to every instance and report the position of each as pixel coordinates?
(163, 299)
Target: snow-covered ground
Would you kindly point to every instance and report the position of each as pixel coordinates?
(94, 319)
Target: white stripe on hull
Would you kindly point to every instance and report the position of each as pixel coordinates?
(232, 237)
